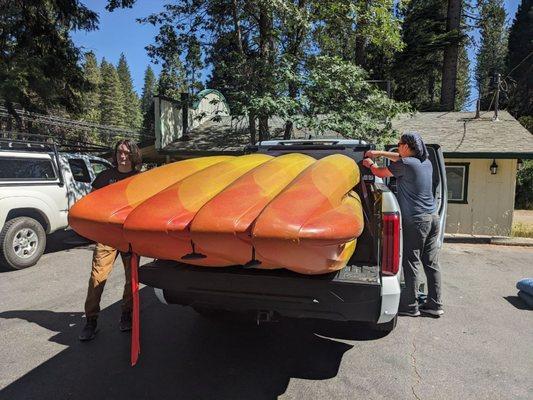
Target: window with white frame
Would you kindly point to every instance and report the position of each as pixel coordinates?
(457, 181)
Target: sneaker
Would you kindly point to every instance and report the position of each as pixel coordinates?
(125, 322)
(89, 330)
(434, 312)
(409, 313)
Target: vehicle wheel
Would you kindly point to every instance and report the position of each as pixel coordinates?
(22, 243)
(387, 326)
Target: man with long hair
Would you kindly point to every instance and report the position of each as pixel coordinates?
(126, 162)
(420, 222)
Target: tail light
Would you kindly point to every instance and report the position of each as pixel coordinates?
(390, 256)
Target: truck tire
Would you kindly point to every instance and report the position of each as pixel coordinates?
(22, 243)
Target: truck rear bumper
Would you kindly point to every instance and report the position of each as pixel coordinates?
(352, 294)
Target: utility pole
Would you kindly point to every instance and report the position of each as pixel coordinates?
(497, 97)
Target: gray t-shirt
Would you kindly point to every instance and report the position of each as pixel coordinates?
(415, 188)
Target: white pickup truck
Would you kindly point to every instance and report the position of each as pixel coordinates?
(35, 196)
(366, 290)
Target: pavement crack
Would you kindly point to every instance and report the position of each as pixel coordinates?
(414, 365)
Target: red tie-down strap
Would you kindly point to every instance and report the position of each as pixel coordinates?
(135, 329)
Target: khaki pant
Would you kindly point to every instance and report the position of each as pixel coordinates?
(103, 259)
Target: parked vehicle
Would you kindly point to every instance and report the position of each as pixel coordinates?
(366, 290)
(38, 185)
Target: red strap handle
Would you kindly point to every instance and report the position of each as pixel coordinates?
(135, 332)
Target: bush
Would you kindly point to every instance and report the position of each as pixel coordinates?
(524, 187)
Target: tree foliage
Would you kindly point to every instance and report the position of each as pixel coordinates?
(338, 97)
(418, 68)
(265, 54)
(520, 61)
(39, 64)
(492, 52)
(111, 96)
(90, 110)
(132, 110)
(172, 79)
(147, 100)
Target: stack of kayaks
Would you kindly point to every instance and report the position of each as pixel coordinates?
(257, 211)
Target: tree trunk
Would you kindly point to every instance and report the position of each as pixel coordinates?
(263, 128)
(451, 55)
(237, 25)
(288, 130)
(251, 127)
(266, 53)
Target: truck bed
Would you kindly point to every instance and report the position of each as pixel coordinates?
(351, 294)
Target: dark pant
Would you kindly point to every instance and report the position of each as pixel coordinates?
(420, 249)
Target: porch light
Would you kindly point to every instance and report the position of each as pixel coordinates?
(493, 167)
(519, 164)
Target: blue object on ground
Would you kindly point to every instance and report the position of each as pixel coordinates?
(528, 299)
(525, 285)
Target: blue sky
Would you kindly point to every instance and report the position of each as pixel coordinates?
(120, 33)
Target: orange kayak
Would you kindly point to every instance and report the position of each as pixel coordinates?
(290, 211)
(159, 227)
(223, 226)
(311, 227)
(100, 216)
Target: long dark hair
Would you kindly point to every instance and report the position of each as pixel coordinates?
(135, 153)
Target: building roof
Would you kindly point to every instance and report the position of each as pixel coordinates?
(227, 134)
(460, 134)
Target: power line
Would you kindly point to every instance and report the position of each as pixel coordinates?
(520, 63)
(75, 124)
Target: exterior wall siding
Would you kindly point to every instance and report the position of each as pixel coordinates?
(490, 201)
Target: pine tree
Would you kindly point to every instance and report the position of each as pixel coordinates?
(418, 69)
(111, 96)
(132, 111)
(492, 53)
(193, 66)
(172, 79)
(40, 65)
(463, 79)
(91, 96)
(520, 62)
(147, 101)
(148, 89)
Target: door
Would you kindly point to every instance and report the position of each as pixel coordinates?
(440, 191)
(77, 178)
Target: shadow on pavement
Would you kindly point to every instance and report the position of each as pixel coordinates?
(64, 240)
(182, 356)
(517, 302)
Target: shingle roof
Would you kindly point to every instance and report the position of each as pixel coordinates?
(460, 133)
(230, 135)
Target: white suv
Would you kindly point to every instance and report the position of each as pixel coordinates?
(35, 196)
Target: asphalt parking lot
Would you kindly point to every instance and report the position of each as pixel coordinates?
(481, 349)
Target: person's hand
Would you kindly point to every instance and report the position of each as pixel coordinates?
(367, 162)
(371, 154)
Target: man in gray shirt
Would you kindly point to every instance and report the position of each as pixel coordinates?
(420, 222)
